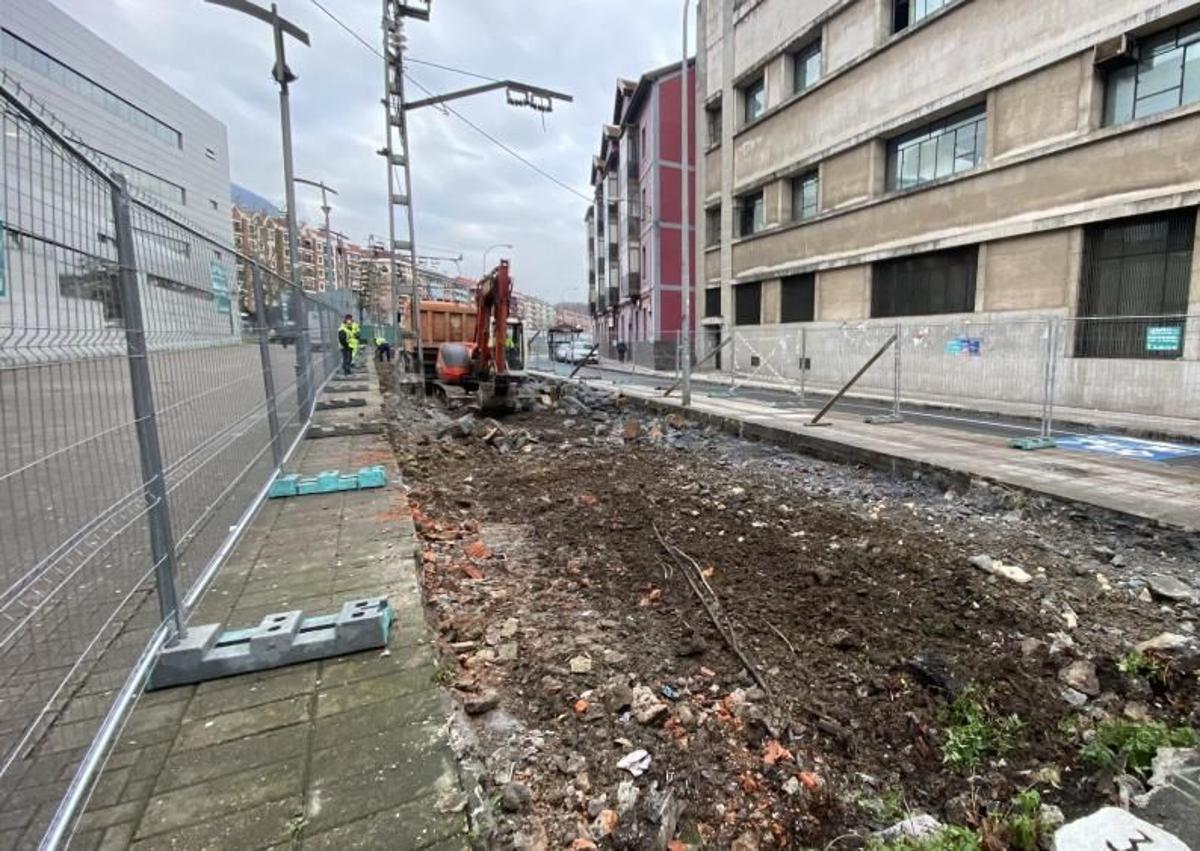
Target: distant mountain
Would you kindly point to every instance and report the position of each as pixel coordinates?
(247, 200)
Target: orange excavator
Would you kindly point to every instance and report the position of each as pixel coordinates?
(486, 366)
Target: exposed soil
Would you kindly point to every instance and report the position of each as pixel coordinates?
(849, 592)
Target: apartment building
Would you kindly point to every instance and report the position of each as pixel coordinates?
(955, 160)
(536, 313)
(634, 228)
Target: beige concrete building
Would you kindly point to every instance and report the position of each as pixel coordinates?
(947, 160)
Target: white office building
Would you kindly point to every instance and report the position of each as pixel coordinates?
(172, 153)
(169, 147)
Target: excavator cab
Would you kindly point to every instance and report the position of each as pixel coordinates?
(515, 346)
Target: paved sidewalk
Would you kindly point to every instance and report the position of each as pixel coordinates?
(1165, 492)
(345, 753)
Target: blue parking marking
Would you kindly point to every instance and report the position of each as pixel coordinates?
(1129, 447)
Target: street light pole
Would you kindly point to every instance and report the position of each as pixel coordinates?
(325, 208)
(489, 250)
(283, 76)
(684, 183)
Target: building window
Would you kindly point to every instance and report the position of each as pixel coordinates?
(949, 146)
(1165, 76)
(798, 298)
(941, 282)
(750, 213)
(712, 227)
(754, 96)
(712, 302)
(905, 13)
(747, 304)
(26, 54)
(1139, 267)
(143, 180)
(713, 115)
(806, 67)
(805, 190)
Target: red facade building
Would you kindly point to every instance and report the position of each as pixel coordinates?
(635, 222)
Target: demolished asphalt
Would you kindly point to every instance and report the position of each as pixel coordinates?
(664, 636)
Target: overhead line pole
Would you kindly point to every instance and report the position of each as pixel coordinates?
(397, 109)
(325, 208)
(283, 76)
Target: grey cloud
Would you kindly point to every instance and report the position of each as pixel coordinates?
(468, 193)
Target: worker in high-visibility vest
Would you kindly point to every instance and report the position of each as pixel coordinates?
(354, 340)
(383, 349)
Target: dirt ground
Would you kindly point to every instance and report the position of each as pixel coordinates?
(786, 639)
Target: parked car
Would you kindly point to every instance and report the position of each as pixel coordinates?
(582, 351)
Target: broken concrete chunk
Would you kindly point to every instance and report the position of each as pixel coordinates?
(1164, 642)
(646, 706)
(1081, 676)
(580, 664)
(1112, 827)
(913, 827)
(1169, 588)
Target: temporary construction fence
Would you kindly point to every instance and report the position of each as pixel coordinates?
(142, 416)
(1019, 374)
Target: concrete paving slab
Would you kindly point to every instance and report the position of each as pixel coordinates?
(346, 752)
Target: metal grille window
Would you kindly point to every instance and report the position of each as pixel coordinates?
(940, 282)
(806, 67)
(905, 13)
(35, 60)
(713, 115)
(805, 196)
(750, 213)
(712, 227)
(1139, 267)
(712, 302)
(949, 146)
(1166, 75)
(797, 298)
(747, 304)
(754, 95)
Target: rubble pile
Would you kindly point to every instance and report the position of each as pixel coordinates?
(667, 637)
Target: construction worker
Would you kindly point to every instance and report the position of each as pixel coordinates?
(346, 343)
(383, 349)
(354, 341)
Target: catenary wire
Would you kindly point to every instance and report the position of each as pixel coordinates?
(450, 109)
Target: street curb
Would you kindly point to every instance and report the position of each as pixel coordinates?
(812, 444)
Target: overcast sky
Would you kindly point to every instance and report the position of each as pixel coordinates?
(468, 194)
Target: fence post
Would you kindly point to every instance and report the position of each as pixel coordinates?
(303, 356)
(1049, 379)
(154, 486)
(803, 365)
(264, 355)
(896, 373)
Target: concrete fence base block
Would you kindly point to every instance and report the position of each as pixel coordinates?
(345, 430)
(1114, 828)
(282, 638)
(338, 404)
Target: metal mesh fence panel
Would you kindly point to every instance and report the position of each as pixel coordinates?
(137, 428)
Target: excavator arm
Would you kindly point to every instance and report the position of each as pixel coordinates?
(492, 299)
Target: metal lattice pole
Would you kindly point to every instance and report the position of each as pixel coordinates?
(396, 128)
